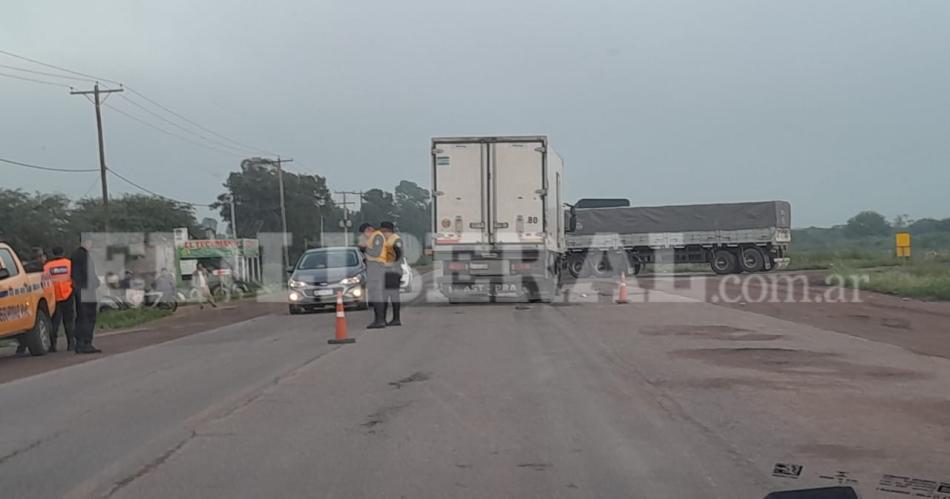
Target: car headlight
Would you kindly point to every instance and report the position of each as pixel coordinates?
(295, 284)
(351, 280)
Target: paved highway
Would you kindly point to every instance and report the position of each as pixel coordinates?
(676, 398)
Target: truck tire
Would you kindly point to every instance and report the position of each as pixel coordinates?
(37, 339)
(724, 262)
(575, 265)
(752, 260)
(600, 265)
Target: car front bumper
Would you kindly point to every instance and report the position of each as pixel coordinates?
(311, 296)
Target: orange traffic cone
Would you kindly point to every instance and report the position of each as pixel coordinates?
(622, 297)
(340, 336)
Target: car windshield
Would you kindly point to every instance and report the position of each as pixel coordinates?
(328, 260)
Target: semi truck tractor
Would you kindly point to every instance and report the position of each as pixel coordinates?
(730, 237)
(498, 229)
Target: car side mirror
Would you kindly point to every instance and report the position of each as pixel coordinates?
(572, 220)
(290, 270)
(4, 273)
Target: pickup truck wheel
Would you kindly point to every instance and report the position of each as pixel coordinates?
(37, 339)
(752, 260)
(724, 262)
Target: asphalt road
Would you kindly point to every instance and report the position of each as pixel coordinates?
(672, 398)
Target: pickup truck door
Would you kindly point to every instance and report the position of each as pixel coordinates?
(16, 302)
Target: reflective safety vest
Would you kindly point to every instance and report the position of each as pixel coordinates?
(61, 271)
(373, 253)
(389, 248)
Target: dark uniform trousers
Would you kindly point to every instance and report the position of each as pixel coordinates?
(86, 309)
(65, 314)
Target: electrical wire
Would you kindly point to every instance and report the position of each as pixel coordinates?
(173, 134)
(92, 78)
(35, 80)
(48, 168)
(149, 191)
(58, 68)
(173, 113)
(44, 73)
(186, 130)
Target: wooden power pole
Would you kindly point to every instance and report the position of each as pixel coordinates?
(96, 92)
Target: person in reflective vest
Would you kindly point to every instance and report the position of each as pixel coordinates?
(376, 276)
(392, 251)
(60, 270)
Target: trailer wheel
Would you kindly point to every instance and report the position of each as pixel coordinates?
(600, 265)
(724, 262)
(752, 260)
(575, 265)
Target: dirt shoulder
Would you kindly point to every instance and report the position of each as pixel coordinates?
(919, 326)
(185, 322)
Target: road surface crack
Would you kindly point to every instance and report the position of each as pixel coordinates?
(412, 378)
(150, 466)
(27, 448)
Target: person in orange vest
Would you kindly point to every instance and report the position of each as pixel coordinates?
(60, 269)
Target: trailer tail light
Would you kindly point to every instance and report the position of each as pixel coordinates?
(456, 265)
(520, 266)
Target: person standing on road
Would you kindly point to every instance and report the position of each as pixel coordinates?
(366, 231)
(85, 286)
(376, 276)
(60, 270)
(199, 281)
(393, 255)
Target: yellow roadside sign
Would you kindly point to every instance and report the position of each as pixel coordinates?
(902, 243)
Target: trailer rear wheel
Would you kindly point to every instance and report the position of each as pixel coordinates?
(752, 260)
(724, 262)
(575, 265)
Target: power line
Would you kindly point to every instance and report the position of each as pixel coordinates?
(173, 134)
(44, 73)
(173, 113)
(35, 80)
(48, 168)
(149, 191)
(176, 125)
(58, 68)
(92, 78)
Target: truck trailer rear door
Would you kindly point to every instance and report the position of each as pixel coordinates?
(517, 179)
(459, 182)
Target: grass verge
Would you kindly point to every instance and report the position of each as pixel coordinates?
(926, 280)
(120, 319)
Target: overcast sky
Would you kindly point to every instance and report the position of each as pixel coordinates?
(835, 106)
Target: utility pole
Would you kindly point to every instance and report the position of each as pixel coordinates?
(345, 223)
(96, 92)
(283, 206)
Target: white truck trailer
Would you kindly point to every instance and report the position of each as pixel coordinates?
(498, 229)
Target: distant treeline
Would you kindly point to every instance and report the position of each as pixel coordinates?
(871, 231)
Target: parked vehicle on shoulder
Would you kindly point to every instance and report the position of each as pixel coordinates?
(27, 303)
(320, 274)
